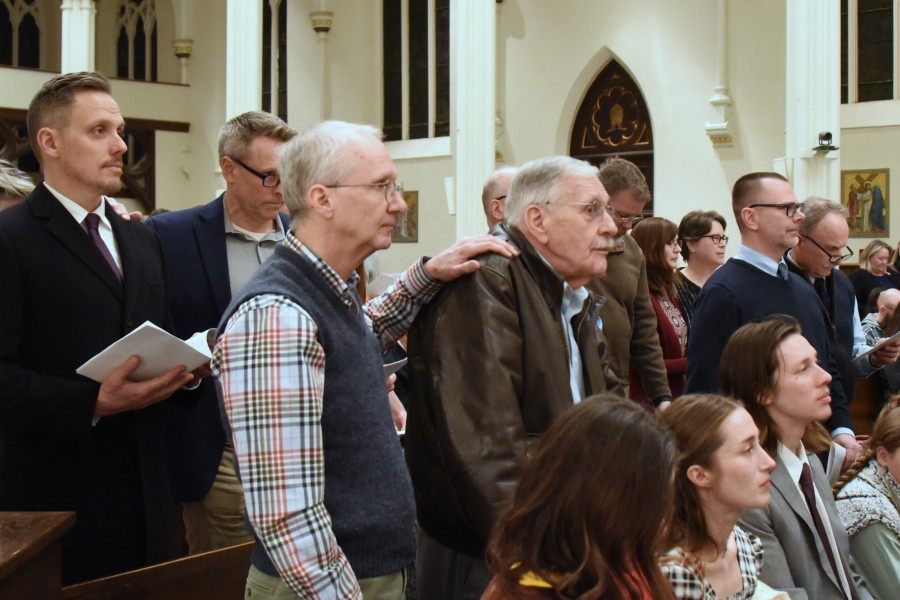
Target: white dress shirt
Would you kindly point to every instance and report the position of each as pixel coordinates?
(794, 465)
(80, 214)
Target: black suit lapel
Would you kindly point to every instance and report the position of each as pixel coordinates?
(59, 222)
(210, 235)
(128, 245)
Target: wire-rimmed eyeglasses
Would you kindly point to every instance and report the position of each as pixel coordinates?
(835, 258)
(389, 187)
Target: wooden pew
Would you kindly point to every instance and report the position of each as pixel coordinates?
(218, 575)
(30, 554)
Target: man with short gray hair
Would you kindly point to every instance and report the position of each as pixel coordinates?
(495, 358)
(211, 252)
(820, 250)
(300, 377)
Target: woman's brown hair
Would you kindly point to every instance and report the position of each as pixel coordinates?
(591, 506)
(652, 235)
(696, 423)
(749, 371)
(694, 226)
(885, 434)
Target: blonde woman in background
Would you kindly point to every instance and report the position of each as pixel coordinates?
(14, 185)
(873, 272)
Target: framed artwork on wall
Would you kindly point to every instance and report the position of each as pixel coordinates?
(406, 231)
(865, 193)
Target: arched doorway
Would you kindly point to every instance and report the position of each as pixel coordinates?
(613, 120)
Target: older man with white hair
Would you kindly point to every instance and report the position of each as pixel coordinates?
(495, 358)
(299, 374)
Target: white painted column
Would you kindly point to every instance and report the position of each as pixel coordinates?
(78, 42)
(717, 127)
(321, 22)
(813, 95)
(475, 81)
(243, 57)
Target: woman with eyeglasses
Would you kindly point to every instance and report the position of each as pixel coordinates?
(658, 239)
(703, 241)
(874, 271)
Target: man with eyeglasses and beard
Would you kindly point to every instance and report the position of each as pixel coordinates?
(819, 252)
(628, 318)
(756, 283)
(495, 358)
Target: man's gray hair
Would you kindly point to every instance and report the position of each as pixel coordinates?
(817, 209)
(538, 182)
(240, 131)
(318, 156)
(13, 182)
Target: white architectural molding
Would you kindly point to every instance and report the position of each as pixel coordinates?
(420, 148)
(717, 128)
(475, 80)
(881, 113)
(321, 22)
(243, 57)
(78, 43)
(813, 94)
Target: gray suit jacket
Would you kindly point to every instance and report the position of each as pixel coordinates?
(794, 559)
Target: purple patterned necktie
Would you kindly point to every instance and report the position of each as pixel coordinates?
(93, 223)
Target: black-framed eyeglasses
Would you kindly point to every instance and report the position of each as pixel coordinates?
(500, 198)
(622, 219)
(835, 258)
(716, 239)
(269, 180)
(674, 243)
(790, 209)
(390, 187)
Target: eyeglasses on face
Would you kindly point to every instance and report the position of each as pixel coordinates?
(269, 180)
(790, 209)
(835, 258)
(716, 239)
(674, 243)
(595, 209)
(389, 187)
(622, 219)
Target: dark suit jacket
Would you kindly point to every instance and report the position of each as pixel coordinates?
(795, 559)
(62, 304)
(193, 241)
(864, 282)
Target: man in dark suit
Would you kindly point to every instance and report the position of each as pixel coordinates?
(76, 278)
(211, 252)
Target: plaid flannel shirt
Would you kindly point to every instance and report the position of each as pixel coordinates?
(271, 370)
(689, 584)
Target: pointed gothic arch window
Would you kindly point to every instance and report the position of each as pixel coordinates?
(613, 120)
(20, 34)
(136, 45)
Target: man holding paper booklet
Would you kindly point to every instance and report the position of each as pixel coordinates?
(299, 372)
(76, 278)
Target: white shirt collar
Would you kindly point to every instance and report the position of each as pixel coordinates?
(792, 462)
(77, 211)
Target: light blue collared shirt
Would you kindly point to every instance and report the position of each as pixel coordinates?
(572, 304)
(759, 260)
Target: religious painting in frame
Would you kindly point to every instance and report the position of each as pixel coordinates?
(406, 231)
(865, 193)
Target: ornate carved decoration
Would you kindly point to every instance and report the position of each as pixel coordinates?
(613, 120)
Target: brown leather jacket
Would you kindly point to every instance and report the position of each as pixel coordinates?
(488, 374)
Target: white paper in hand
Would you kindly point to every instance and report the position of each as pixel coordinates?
(158, 350)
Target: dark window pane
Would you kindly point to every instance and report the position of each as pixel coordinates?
(29, 43)
(267, 57)
(154, 66)
(122, 54)
(140, 51)
(442, 64)
(844, 62)
(393, 77)
(282, 62)
(418, 69)
(6, 36)
(876, 50)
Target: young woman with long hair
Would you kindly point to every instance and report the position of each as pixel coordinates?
(868, 502)
(590, 510)
(773, 370)
(658, 239)
(722, 471)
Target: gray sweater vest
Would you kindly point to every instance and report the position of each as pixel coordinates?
(368, 491)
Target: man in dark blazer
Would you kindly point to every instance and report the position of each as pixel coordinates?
(76, 278)
(211, 251)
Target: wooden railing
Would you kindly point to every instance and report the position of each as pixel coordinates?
(30, 554)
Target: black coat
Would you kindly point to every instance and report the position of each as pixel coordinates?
(61, 304)
(194, 244)
(864, 282)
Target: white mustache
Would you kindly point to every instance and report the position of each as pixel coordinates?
(606, 243)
